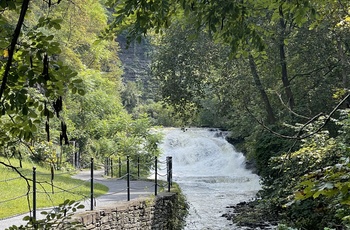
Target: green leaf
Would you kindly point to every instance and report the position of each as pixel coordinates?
(57, 26)
(74, 90)
(77, 81)
(3, 4)
(11, 5)
(299, 195)
(81, 206)
(317, 194)
(25, 110)
(346, 201)
(81, 92)
(71, 202)
(32, 114)
(50, 37)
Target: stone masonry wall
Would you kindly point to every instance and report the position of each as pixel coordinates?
(142, 213)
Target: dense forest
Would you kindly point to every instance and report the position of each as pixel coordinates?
(274, 73)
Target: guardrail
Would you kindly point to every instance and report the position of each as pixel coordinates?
(108, 171)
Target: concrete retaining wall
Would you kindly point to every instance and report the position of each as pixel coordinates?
(142, 213)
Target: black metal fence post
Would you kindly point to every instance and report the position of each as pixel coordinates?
(108, 166)
(155, 176)
(92, 184)
(168, 172)
(75, 160)
(34, 196)
(111, 161)
(128, 176)
(120, 168)
(78, 159)
(171, 170)
(138, 167)
(105, 167)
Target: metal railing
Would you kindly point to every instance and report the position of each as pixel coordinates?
(109, 171)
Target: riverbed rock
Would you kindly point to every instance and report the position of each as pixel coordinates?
(245, 215)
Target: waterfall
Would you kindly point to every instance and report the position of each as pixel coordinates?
(211, 174)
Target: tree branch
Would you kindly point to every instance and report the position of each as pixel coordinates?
(12, 48)
(313, 71)
(289, 109)
(19, 173)
(298, 136)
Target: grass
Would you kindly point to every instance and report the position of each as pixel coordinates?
(13, 189)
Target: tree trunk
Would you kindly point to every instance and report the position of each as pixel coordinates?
(284, 72)
(343, 62)
(11, 50)
(270, 115)
(344, 68)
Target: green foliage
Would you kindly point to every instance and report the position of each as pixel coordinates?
(265, 147)
(35, 81)
(181, 67)
(297, 54)
(180, 208)
(139, 16)
(158, 113)
(61, 218)
(39, 75)
(290, 55)
(44, 152)
(328, 181)
(193, 75)
(51, 60)
(311, 189)
(130, 96)
(100, 125)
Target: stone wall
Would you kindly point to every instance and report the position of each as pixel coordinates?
(142, 213)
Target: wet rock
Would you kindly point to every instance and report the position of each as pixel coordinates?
(244, 214)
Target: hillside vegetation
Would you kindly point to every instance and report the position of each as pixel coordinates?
(274, 73)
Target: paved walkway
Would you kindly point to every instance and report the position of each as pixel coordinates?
(117, 192)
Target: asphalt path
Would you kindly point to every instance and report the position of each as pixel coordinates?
(117, 193)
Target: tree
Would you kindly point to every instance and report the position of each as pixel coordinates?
(298, 56)
(33, 77)
(181, 67)
(51, 58)
(237, 24)
(131, 96)
(101, 126)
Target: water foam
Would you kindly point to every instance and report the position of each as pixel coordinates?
(210, 172)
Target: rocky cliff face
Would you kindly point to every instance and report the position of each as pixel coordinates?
(135, 59)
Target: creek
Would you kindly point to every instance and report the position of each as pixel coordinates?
(211, 174)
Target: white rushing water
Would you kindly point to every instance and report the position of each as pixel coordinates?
(211, 174)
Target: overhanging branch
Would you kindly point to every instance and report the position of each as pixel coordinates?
(19, 173)
(12, 48)
(299, 135)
